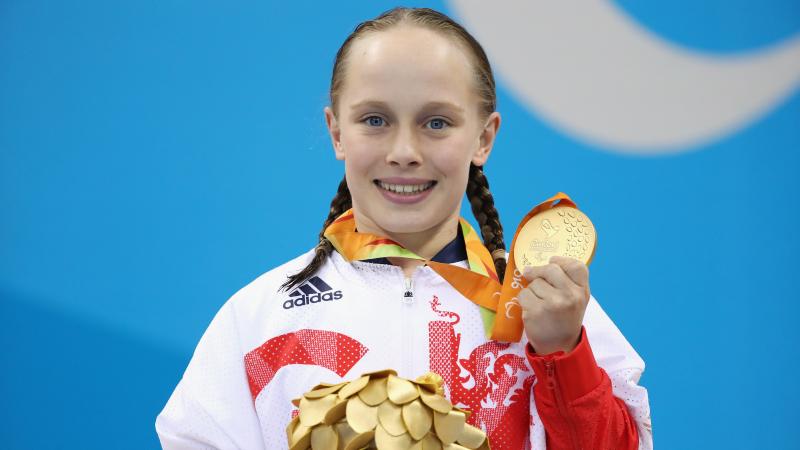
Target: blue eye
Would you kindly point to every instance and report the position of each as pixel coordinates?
(437, 124)
(375, 121)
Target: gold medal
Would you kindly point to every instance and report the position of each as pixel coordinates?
(558, 231)
(555, 227)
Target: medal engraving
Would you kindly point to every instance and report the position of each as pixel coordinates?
(561, 231)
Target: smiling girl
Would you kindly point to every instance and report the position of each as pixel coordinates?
(412, 115)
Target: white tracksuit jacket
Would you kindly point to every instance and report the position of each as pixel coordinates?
(265, 347)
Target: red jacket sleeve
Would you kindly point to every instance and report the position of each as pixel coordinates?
(576, 404)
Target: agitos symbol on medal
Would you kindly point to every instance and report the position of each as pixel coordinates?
(562, 230)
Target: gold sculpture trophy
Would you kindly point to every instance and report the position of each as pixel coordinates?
(381, 410)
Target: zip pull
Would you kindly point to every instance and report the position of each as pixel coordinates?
(408, 294)
(552, 383)
(551, 374)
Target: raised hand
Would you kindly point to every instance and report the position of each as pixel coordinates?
(553, 304)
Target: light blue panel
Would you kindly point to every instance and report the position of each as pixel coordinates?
(157, 156)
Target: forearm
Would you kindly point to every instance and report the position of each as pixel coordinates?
(576, 403)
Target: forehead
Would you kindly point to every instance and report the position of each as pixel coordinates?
(409, 64)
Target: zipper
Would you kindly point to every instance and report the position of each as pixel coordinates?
(407, 330)
(408, 292)
(552, 384)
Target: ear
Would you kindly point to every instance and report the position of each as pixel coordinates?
(335, 132)
(486, 139)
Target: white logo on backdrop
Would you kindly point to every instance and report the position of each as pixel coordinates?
(589, 69)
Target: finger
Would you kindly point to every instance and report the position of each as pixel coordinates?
(576, 270)
(527, 298)
(542, 289)
(531, 304)
(552, 273)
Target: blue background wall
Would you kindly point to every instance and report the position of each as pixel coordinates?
(157, 156)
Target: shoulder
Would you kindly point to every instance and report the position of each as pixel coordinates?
(612, 350)
(268, 284)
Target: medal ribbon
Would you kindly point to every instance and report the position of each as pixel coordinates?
(479, 283)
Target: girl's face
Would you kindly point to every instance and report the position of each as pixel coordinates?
(408, 125)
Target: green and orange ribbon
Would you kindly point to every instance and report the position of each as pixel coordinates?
(478, 283)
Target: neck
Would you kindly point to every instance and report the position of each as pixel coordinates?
(425, 243)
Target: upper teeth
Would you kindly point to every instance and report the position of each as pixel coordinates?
(405, 188)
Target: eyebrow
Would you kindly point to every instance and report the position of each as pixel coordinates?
(429, 105)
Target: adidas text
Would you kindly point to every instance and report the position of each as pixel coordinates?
(314, 290)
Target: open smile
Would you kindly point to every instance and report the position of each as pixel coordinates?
(409, 189)
(405, 190)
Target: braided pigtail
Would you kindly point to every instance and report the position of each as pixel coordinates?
(482, 202)
(341, 202)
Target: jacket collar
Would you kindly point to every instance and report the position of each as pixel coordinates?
(453, 252)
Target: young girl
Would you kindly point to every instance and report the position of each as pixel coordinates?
(412, 116)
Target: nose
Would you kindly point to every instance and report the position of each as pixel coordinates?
(404, 149)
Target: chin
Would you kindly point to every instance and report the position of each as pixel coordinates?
(410, 222)
(402, 226)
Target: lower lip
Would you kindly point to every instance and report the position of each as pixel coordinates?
(405, 199)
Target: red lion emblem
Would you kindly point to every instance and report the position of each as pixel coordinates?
(493, 383)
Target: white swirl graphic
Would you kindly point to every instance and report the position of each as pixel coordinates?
(587, 68)
(510, 307)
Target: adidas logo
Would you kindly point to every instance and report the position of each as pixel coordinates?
(313, 290)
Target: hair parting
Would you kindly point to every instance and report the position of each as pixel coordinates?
(432, 20)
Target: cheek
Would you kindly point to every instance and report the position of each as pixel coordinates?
(453, 160)
(356, 170)
(359, 167)
(359, 156)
